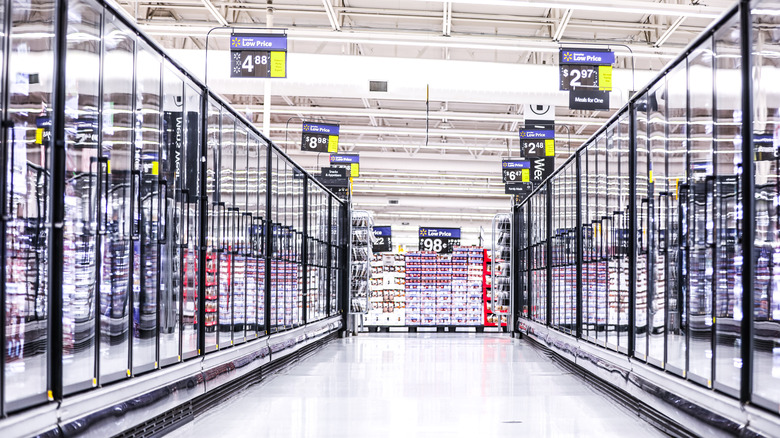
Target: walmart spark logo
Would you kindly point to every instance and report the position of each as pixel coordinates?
(567, 56)
(523, 134)
(423, 233)
(235, 42)
(504, 164)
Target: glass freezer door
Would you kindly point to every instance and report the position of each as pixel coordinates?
(26, 172)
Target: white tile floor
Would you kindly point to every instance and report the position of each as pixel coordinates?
(426, 385)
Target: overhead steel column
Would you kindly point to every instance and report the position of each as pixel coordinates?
(748, 202)
(269, 18)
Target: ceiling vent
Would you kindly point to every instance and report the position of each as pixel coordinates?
(392, 202)
(379, 86)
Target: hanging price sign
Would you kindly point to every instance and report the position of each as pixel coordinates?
(258, 56)
(320, 137)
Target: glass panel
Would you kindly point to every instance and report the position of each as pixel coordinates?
(728, 282)
(148, 139)
(766, 316)
(621, 265)
(115, 243)
(252, 226)
(701, 210)
(239, 241)
(677, 148)
(658, 212)
(26, 267)
(614, 221)
(188, 199)
(170, 250)
(274, 250)
(213, 237)
(262, 275)
(587, 241)
(226, 200)
(84, 185)
(643, 223)
(598, 270)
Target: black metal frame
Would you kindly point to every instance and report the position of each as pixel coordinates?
(56, 209)
(741, 13)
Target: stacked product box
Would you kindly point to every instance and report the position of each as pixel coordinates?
(413, 288)
(467, 286)
(474, 283)
(444, 291)
(387, 297)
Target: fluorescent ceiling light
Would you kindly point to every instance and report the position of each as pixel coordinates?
(215, 12)
(625, 6)
(670, 31)
(332, 17)
(562, 25)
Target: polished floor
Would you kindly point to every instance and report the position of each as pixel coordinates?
(420, 385)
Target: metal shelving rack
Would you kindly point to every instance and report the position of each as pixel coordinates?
(500, 268)
(361, 230)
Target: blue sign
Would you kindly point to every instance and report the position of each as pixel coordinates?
(587, 57)
(515, 164)
(440, 232)
(258, 42)
(536, 134)
(383, 231)
(344, 159)
(320, 128)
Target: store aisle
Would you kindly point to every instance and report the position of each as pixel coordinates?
(420, 385)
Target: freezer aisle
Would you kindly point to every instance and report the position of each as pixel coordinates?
(403, 385)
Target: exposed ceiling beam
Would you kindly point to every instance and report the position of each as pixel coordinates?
(215, 12)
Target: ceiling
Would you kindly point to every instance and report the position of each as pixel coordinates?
(480, 61)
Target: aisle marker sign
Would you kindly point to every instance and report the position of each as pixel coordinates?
(439, 240)
(320, 137)
(258, 56)
(384, 240)
(515, 170)
(353, 160)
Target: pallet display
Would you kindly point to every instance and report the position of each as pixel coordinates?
(387, 300)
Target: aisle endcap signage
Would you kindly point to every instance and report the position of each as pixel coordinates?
(439, 240)
(258, 56)
(518, 188)
(320, 137)
(383, 239)
(353, 160)
(586, 57)
(334, 177)
(584, 99)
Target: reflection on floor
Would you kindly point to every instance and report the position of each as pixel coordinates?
(403, 385)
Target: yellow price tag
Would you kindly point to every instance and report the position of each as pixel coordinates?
(333, 144)
(549, 148)
(650, 176)
(278, 64)
(354, 170)
(605, 78)
(525, 175)
(155, 167)
(108, 165)
(39, 136)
